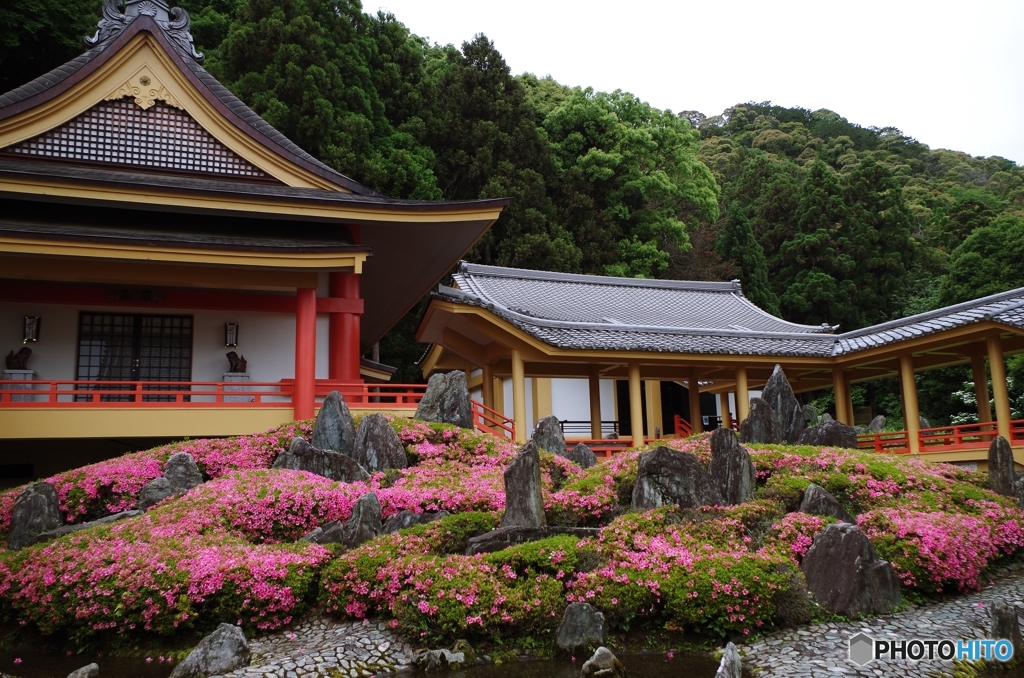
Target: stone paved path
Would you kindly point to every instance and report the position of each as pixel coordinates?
(325, 648)
(821, 650)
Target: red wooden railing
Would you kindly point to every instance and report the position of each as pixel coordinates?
(682, 427)
(941, 438)
(491, 421)
(155, 394)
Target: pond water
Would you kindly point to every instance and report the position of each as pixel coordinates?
(36, 664)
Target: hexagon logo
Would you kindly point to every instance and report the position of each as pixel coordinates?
(862, 649)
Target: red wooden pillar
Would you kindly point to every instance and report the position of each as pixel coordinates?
(304, 399)
(344, 330)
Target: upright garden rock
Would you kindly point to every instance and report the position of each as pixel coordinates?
(377, 446)
(582, 456)
(87, 671)
(788, 412)
(731, 468)
(406, 519)
(583, 628)
(548, 436)
(846, 576)
(922, 422)
(730, 666)
(761, 425)
(829, 433)
(666, 476)
(877, 424)
(302, 456)
(446, 400)
(36, 510)
(524, 504)
(1001, 474)
(182, 472)
(154, 492)
(1006, 626)
(820, 502)
(603, 664)
(365, 522)
(222, 651)
(334, 429)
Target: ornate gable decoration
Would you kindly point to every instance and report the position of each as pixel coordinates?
(141, 134)
(174, 21)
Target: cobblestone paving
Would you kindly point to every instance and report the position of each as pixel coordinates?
(822, 649)
(326, 648)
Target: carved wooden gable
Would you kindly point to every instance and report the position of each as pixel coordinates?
(151, 134)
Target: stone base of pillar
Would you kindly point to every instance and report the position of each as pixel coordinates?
(19, 375)
(236, 381)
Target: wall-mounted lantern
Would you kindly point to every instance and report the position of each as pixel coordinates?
(230, 335)
(30, 330)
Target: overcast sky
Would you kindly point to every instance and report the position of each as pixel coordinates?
(946, 73)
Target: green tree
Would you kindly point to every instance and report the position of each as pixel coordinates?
(736, 243)
(631, 185)
(989, 261)
(39, 35)
(306, 66)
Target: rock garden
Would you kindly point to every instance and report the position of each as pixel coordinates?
(444, 536)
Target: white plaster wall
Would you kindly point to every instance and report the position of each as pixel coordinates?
(267, 340)
(570, 399)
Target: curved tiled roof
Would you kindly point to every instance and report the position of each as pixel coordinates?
(64, 76)
(625, 314)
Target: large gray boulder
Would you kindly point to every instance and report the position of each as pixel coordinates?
(1001, 474)
(877, 424)
(730, 666)
(439, 660)
(365, 522)
(363, 525)
(182, 472)
(582, 456)
(334, 429)
(377, 446)
(788, 412)
(829, 433)
(1006, 626)
(505, 537)
(845, 575)
(446, 400)
(406, 519)
(548, 436)
(603, 664)
(222, 651)
(36, 510)
(731, 468)
(87, 671)
(524, 503)
(666, 476)
(302, 456)
(154, 492)
(68, 529)
(820, 502)
(583, 628)
(761, 425)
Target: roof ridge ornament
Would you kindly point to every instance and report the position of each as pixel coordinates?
(174, 21)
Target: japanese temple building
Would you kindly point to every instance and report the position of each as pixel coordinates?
(625, 346)
(150, 222)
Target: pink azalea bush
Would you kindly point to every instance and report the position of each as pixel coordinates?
(228, 550)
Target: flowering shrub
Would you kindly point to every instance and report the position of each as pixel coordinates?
(227, 551)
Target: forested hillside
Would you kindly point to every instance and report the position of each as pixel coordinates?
(821, 219)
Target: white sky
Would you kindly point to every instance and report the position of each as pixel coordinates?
(946, 73)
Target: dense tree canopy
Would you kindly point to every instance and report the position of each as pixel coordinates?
(822, 220)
